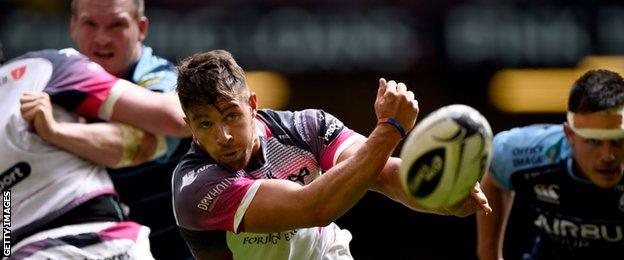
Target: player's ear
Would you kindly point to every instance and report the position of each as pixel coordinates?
(143, 25)
(253, 102)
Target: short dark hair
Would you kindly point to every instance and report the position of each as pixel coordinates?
(139, 8)
(203, 78)
(596, 90)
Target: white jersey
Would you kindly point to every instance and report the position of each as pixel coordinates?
(45, 181)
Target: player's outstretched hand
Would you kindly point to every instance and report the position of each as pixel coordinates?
(476, 202)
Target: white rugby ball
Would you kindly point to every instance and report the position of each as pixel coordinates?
(445, 154)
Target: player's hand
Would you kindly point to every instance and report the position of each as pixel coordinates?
(476, 202)
(395, 101)
(36, 109)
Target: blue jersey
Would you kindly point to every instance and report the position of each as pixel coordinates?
(153, 72)
(557, 214)
(146, 188)
(159, 75)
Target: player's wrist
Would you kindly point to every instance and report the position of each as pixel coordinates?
(389, 121)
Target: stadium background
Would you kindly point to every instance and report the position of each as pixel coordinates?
(329, 55)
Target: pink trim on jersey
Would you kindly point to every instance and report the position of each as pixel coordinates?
(327, 154)
(125, 229)
(267, 131)
(226, 205)
(98, 87)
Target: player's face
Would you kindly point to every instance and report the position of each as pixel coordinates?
(107, 32)
(226, 131)
(601, 161)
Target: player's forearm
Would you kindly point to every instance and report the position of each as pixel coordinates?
(346, 183)
(100, 143)
(489, 233)
(490, 228)
(171, 123)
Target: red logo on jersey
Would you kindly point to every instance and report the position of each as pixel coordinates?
(18, 73)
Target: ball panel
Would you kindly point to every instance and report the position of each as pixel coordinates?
(425, 174)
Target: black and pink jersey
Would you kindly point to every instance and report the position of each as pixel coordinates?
(210, 201)
(45, 182)
(76, 84)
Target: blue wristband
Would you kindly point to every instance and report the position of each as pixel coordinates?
(391, 121)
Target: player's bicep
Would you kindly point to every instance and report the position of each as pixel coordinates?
(493, 188)
(279, 205)
(154, 112)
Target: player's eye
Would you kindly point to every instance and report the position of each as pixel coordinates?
(205, 124)
(89, 23)
(232, 117)
(118, 24)
(618, 142)
(594, 142)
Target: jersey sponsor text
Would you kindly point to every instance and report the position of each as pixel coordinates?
(574, 229)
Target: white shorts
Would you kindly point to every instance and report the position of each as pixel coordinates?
(99, 240)
(339, 250)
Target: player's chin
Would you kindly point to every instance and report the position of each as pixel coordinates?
(234, 164)
(607, 180)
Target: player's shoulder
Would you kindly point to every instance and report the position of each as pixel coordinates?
(40, 66)
(295, 121)
(193, 159)
(154, 72)
(537, 134)
(54, 56)
(196, 170)
(199, 161)
(283, 116)
(526, 147)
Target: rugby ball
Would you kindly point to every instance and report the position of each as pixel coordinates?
(445, 154)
